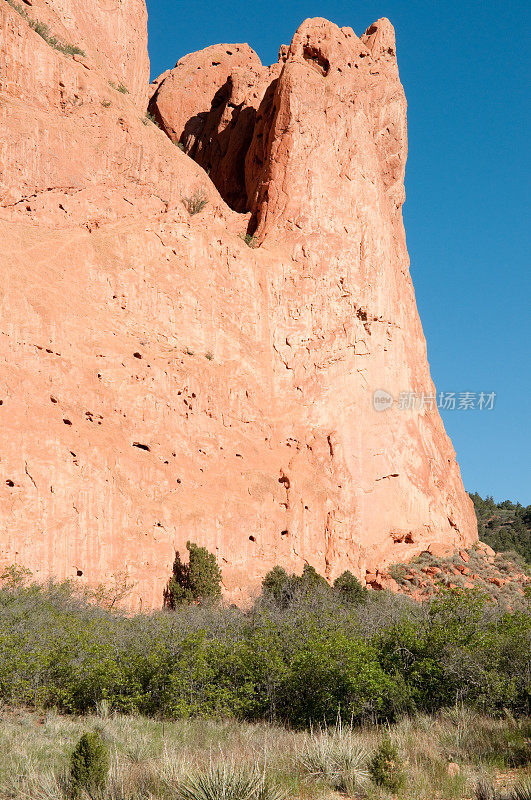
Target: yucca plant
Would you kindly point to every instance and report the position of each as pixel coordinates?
(225, 781)
(522, 791)
(335, 757)
(485, 792)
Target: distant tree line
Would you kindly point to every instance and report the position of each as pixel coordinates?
(505, 526)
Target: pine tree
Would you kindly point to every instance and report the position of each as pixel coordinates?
(197, 581)
(89, 764)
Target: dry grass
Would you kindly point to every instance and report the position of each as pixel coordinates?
(154, 760)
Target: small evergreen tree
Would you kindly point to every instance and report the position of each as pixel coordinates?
(349, 589)
(310, 582)
(178, 589)
(197, 581)
(385, 767)
(284, 589)
(89, 764)
(276, 586)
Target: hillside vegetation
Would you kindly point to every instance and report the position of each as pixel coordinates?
(504, 526)
(315, 692)
(299, 658)
(502, 576)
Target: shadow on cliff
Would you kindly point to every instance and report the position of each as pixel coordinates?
(229, 142)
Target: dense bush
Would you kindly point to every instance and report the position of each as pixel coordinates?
(349, 588)
(385, 768)
(283, 590)
(301, 663)
(197, 581)
(89, 764)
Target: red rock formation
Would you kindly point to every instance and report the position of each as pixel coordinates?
(209, 104)
(163, 381)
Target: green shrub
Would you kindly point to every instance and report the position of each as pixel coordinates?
(89, 764)
(398, 572)
(249, 239)
(299, 655)
(349, 589)
(14, 577)
(385, 767)
(283, 589)
(332, 671)
(199, 580)
(150, 118)
(195, 202)
(276, 586)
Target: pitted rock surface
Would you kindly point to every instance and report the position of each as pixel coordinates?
(162, 380)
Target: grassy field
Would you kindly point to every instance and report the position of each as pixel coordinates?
(442, 756)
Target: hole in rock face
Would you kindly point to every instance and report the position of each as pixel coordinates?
(316, 59)
(137, 355)
(52, 398)
(142, 446)
(283, 533)
(10, 483)
(252, 539)
(79, 573)
(67, 421)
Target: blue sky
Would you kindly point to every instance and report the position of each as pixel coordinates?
(465, 69)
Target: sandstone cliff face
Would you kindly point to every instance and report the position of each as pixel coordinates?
(163, 381)
(111, 33)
